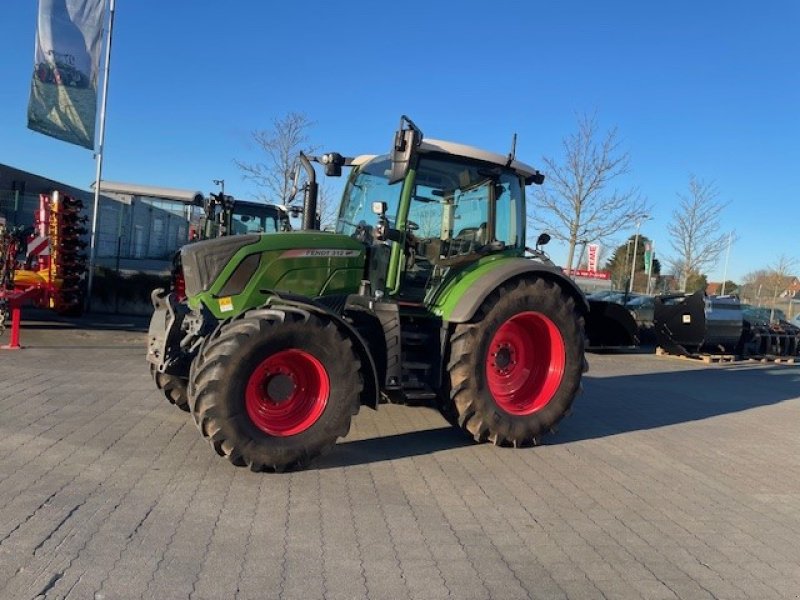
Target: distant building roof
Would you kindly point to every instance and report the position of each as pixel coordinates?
(12, 178)
(150, 191)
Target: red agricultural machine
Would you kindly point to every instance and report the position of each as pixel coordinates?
(51, 272)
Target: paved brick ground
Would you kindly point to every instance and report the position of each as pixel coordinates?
(671, 480)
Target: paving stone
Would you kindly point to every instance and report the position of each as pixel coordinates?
(671, 480)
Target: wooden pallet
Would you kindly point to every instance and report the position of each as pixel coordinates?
(704, 358)
(778, 360)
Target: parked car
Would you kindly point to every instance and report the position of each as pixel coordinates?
(642, 309)
(602, 295)
(613, 296)
(761, 315)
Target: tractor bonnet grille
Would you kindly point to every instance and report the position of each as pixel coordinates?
(204, 261)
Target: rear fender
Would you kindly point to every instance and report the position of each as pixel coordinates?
(460, 301)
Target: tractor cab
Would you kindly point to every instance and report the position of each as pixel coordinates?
(223, 215)
(455, 206)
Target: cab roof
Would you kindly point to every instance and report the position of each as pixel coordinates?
(455, 149)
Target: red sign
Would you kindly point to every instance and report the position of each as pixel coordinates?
(590, 274)
(593, 250)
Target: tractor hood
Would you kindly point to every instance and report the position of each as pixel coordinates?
(239, 268)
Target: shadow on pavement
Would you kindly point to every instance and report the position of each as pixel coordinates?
(38, 319)
(391, 447)
(614, 405)
(610, 406)
(641, 349)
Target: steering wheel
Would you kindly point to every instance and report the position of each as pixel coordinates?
(412, 226)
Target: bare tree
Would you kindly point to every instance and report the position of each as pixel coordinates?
(775, 280)
(577, 200)
(753, 285)
(695, 229)
(327, 206)
(764, 287)
(281, 145)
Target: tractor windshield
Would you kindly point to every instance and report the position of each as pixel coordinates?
(258, 219)
(369, 184)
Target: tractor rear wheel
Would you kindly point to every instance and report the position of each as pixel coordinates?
(515, 370)
(173, 387)
(274, 388)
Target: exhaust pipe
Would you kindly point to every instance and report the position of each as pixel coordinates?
(310, 191)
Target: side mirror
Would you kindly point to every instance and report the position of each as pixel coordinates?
(542, 240)
(333, 162)
(406, 140)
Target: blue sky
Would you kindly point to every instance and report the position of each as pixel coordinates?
(706, 88)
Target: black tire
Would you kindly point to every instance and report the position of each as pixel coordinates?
(544, 317)
(231, 398)
(173, 387)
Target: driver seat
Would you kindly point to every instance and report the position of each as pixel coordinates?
(475, 235)
(480, 234)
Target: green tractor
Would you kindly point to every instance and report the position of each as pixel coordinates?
(425, 293)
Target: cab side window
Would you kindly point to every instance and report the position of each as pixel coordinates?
(508, 210)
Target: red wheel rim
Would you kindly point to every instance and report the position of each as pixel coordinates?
(287, 393)
(525, 363)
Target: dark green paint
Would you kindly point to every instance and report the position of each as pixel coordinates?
(288, 265)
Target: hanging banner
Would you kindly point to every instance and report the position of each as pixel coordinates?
(63, 100)
(593, 254)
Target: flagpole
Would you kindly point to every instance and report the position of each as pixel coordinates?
(725, 272)
(650, 267)
(99, 156)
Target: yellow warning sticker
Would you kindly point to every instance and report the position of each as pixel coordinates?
(225, 304)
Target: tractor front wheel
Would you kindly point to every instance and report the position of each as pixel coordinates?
(173, 388)
(515, 370)
(274, 388)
